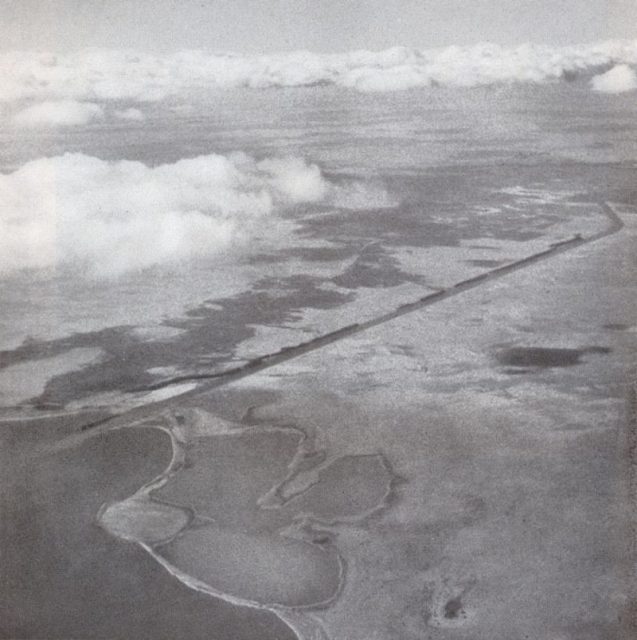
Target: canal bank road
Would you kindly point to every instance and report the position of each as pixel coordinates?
(463, 470)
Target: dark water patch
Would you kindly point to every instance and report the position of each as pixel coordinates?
(333, 253)
(226, 475)
(62, 576)
(260, 568)
(227, 478)
(435, 210)
(209, 335)
(545, 357)
(374, 267)
(405, 225)
(616, 326)
(257, 495)
(349, 487)
(442, 206)
(33, 349)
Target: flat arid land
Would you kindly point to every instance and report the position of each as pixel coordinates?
(330, 335)
(458, 468)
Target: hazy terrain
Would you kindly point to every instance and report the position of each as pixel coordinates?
(318, 346)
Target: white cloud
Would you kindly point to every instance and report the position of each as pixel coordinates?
(396, 78)
(619, 79)
(136, 77)
(295, 179)
(61, 113)
(129, 114)
(107, 218)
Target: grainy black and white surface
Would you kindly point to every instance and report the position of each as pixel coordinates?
(318, 346)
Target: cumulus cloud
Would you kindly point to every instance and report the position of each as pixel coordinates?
(129, 114)
(297, 181)
(136, 77)
(619, 79)
(61, 113)
(106, 218)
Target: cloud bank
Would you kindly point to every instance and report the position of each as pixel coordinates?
(138, 78)
(61, 113)
(106, 218)
(619, 79)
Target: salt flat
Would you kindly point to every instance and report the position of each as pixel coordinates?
(510, 509)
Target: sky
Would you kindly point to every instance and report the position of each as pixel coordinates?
(264, 26)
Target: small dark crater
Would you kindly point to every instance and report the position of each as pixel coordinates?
(453, 609)
(544, 357)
